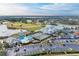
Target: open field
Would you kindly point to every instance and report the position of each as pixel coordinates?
(28, 26)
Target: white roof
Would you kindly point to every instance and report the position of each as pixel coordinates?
(3, 28)
(51, 28)
(4, 31)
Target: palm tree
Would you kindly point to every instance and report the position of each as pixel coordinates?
(0, 46)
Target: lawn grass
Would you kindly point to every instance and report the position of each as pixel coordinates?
(26, 26)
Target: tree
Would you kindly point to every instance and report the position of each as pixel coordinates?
(2, 52)
(0, 45)
(6, 45)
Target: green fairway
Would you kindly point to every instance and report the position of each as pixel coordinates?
(26, 26)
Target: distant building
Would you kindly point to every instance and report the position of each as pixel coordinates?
(51, 29)
(29, 21)
(5, 22)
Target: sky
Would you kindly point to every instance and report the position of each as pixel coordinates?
(54, 9)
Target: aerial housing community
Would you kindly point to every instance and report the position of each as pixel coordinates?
(39, 35)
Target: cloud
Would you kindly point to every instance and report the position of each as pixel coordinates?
(74, 12)
(14, 9)
(18, 9)
(62, 9)
(56, 6)
(39, 9)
